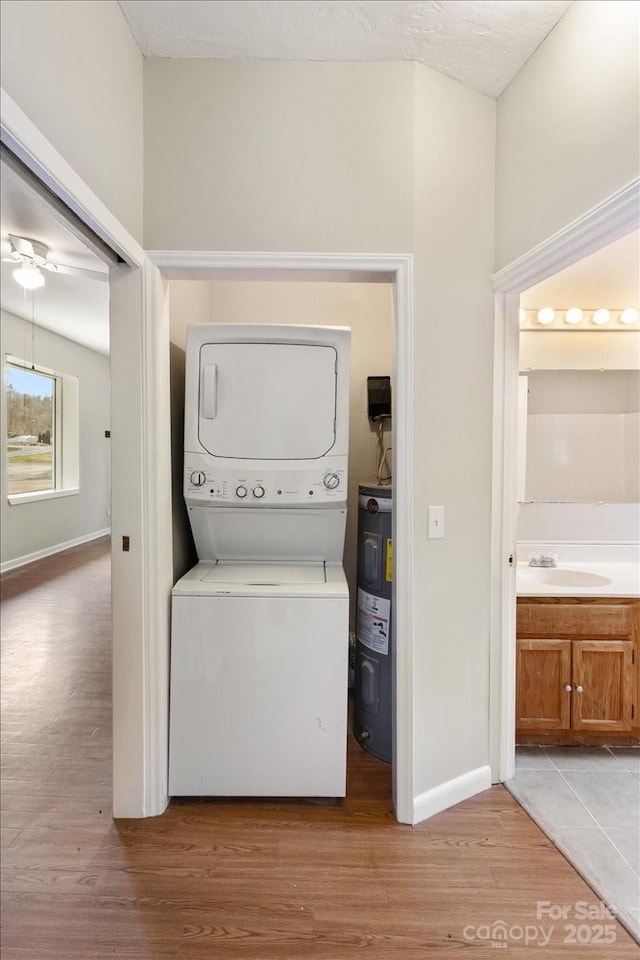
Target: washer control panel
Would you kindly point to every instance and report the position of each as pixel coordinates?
(205, 481)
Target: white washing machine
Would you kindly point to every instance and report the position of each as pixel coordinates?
(259, 649)
(259, 673)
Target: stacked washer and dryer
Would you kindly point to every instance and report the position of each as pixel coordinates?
(259, 648)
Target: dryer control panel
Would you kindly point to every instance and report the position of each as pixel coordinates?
(205, 481)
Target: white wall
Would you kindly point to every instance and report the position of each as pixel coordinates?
(454, 311)
(365, 307)
(361, 157)
(76, 71)
(268, 155)
(366, 157)
(40, 525)
(568, 125)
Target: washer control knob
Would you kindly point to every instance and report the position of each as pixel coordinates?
(241, 492)
(331, 480)
(258, 492)
(197, 478)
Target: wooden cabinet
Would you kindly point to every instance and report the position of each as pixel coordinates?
(602, 696)
(576, 669)
(543, 671)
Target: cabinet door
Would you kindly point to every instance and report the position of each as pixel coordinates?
(602, 681)
(543, 671)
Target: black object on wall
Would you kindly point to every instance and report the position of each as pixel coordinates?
(378, 397)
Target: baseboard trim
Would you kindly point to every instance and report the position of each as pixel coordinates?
(49, 551)
(454, 791)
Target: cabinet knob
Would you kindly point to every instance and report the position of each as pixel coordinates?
(567, 688)
(579, 688)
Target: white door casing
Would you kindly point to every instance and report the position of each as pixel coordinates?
(615, 217)
(397, 269)
(141, 502)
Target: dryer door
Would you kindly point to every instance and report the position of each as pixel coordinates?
(267, 401)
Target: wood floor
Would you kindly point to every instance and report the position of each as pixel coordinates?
(237, 880)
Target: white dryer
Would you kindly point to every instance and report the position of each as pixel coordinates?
(259, 651)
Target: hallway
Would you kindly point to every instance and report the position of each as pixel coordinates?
(234, 880)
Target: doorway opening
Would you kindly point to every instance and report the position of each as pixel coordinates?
(611, 220)
(570, 469)
(367, 309)
(55, 502)
(332, 288)
(55, 320)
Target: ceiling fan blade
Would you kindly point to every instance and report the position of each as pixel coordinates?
(27, 249)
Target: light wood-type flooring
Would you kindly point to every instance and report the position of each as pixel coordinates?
(239, 880)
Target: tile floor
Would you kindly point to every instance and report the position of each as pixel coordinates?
(587, 801)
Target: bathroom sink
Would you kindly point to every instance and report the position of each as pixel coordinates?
(561, 577)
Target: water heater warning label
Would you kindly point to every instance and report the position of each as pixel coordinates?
(373, 622)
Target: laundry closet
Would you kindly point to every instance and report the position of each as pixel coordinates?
(255, 765)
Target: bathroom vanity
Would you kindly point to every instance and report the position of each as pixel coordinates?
(577, 667)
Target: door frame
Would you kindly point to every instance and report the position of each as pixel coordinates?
(398, 270)
(141, 577)
(610, 220)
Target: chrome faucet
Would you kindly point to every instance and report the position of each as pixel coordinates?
(543, 559)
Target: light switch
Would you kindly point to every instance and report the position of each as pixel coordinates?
(435, 522)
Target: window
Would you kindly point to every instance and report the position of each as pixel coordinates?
(41, 432)
(31, 430)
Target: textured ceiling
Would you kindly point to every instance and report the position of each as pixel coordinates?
(481, 43)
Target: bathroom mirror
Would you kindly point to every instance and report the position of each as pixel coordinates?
(579, 436)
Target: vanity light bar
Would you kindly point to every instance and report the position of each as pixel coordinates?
(575, 318)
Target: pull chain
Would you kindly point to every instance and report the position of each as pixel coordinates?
(33, 330)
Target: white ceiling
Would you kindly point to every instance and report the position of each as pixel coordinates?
(482, 43)
(71, 306)
(608, 278)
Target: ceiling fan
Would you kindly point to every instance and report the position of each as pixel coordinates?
(31, 256)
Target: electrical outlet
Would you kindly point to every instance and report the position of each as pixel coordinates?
(435, 523)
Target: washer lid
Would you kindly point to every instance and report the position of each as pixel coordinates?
(264, 574)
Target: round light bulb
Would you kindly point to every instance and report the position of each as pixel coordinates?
(630, 315)
(601, 317)
(573, 315)
(522, 315)
(546, 316)
(28, 276)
